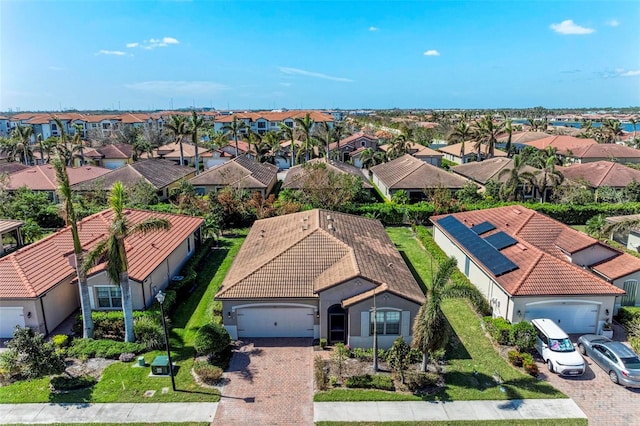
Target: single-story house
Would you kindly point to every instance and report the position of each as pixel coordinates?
(601, 173)
(38, 287)
(163, 175)
(519, 138)
(171, 151)
(215, 157)
(241, 172)
(528, 265)
(111, 156)
(459, 154)
(351, 143)
(42, 178)
(564, 144)
(603, 152)
(414, 176)
(421, 152)
(297, 176)
(10, 235)
(320, 274)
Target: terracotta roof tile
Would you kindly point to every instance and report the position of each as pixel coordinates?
(408, 172)
(456, 148)
(618, 267)
(483, 171)
(36, 268)
(604, 151)
(43, 178)
(524, 137)
(12, 167)
(562, 143)
(241, 171)
(295, 175)
(121, 151)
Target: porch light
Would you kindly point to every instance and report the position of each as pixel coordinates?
(229, 315)
(317, 314)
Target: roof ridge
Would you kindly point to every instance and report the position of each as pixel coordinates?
(606, 173)
(55, 185)
(528, 271)
(525, 222)
(23, 277)
(404, 176)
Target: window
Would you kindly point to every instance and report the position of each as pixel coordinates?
(109, 297)
(388, 322)
(262, 125)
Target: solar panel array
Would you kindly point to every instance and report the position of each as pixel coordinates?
(483, 227)
(486, 254)
(501, 240)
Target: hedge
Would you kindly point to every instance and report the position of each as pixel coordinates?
(103, 348)
(477, 300)
(367, 381)
(579, 215)
(626, 314)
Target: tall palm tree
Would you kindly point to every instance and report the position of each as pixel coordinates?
(112, 251)
(399, 147)
(69, 215)
(633, 122)
(370, 158)
(234, 128)
(289, 134)
(272, 141)
(22, 136)
(40, 147)
(339, 131)
(254, 139)
(612, 130)
(508, 127)
(195, 124)
(77, 144)
(62, 147)
(486, 132)
(430, 328)
(548, 177)
(461, 132)
(178, 127)
(324, 133)
(304, 126)
(516, 179)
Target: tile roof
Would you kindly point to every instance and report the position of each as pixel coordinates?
(350, 139)
(7, 225)
(618, 267)
(241, 171)
(562, 143)
(524, 137)
(295, 175)
(297, 256)
(602, 173)
(469, 149)
(540, 253)
(418, 150)
(43, 177)
(159, 173)
(172, 151)
(483, 171)
(122, 151)
(408, 172)
(12, 167)
(606, 151)
(36, 268)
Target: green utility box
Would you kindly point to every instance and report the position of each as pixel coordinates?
(141, 361)
(160, 365)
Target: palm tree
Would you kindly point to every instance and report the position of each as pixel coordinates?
(234, 128)
(430, 328)
(304, 126)
(399, 147)
(486, 132)
(48, 146)
(178, 127)
(548, 177)
(22, 136)
(112, 251)
(508, 124)
(339, 131)
(141, 146)
(40, 147)
(69, 215)
(370, 158)
(324, 133)
(272, 141)
(253, 138)
(288, 133)
(516, 178)
(633, 122)
(460, 133)
(611, 129)
(195, 124)
(77, 144)
(62, 147)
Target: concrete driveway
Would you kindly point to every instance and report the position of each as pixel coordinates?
(269, 382)
(604, 402)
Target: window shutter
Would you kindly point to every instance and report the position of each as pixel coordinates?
(405, 330)
(91, 302)
(364, 324)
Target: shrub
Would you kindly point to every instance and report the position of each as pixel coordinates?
(110, 325)
(209, 374)
(523, 336)
(633, 327)
(635, 343)
(363, 354)
(323, 343)
(399, 357)
(211, 338)
(68, 383)
(531, 369)
(527, 358)
(104, 348)
(320, 373)
(367, 381)
(339, 355)
(148, 332)
(515, 358)
(500, 330)
(60, 341)
(127, 357)
(31, 356)
(333, 381)
(628, 314)
(418, 381)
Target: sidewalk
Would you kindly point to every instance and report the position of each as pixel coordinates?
(108, 413)
(384, 411)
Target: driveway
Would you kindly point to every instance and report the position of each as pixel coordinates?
(269, 382)
(604, 402)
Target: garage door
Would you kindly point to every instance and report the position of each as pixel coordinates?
(571, 317)
(275, 322)
(9, 318)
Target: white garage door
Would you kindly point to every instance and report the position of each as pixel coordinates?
(571, 317)
(9, 318)
(275, 322)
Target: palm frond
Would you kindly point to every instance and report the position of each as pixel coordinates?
(95, 256)
(150, 225)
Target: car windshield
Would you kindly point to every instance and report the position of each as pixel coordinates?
(561, 345)
(632, 363)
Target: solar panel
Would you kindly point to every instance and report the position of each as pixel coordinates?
(500, 240)
(486, 254)
(483, 227)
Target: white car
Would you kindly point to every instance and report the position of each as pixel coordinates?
(556, 349)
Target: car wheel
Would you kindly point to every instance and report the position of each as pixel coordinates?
(582, 350)
(613, 376)
(550, 366)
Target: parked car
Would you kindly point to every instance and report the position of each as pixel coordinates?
(556, 349)
(622, 364)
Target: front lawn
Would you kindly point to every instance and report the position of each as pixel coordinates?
(125, 382)
(520, 422)
(474, 369)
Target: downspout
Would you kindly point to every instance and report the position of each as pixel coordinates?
(144, 298)
(44, 316)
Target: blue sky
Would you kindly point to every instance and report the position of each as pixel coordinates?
(318, 54)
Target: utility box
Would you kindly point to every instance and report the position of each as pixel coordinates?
(141, 361)
(160, 365)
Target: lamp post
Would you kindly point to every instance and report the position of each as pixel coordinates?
(160, 298)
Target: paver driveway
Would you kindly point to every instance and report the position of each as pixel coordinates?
(604, 402)
(269, 382)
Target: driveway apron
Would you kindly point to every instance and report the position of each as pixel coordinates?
(269, 382)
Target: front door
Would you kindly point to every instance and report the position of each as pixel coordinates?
(337, 325)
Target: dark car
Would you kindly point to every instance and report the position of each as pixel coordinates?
(618, 360)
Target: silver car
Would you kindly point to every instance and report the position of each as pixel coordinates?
(622, 364)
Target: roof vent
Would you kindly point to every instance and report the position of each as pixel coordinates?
(329, 218)
(331, 227)
(516, 211)
(390, 265)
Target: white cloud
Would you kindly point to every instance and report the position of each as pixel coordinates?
(111, 52)
(297, 71)
(132, 45)
(630, 73)
(432, 52)
(152, 43)
(180, 87)
(612, 23)
(372, 28)
(568, 27)
(170, 40)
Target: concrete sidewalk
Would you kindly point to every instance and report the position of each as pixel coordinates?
(108, 413)
(384, 411)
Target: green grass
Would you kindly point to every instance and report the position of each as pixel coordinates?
(472, 362)
(544, 422)
(124, 382)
